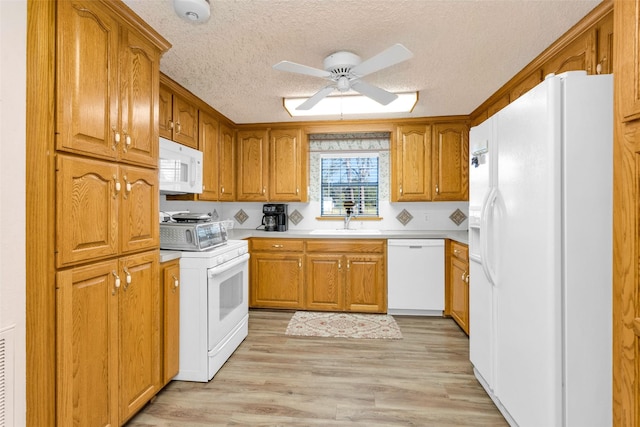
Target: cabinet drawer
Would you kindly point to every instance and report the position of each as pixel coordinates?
(277, 245)
(349, 246)
(460, 251)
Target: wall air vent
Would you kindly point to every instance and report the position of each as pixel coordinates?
(6, 377)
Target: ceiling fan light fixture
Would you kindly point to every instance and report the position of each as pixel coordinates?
(351, 105)
(197, 11)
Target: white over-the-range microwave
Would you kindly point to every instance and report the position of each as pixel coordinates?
(179, 168)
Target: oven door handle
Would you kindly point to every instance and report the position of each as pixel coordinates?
(228, 265)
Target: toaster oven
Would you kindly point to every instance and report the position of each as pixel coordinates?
(192, 236)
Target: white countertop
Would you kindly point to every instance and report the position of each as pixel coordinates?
(458, 236)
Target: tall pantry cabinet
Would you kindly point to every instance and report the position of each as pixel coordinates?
(106, 190)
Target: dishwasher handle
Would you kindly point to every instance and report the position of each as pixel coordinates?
(416, 243)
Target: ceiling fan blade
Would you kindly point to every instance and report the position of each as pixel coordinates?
(392, 56)
(379, 95)
(311, 102)
(292, 67)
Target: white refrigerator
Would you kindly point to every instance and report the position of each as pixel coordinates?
(540, 219)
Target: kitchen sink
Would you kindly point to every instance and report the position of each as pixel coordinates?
(342, 231)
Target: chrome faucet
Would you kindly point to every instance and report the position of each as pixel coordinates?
(347, 220)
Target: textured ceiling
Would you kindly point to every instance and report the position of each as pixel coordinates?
(463, 50)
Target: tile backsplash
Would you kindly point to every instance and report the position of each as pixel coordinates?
(424, 215)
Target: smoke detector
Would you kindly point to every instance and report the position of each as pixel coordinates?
(193, 10)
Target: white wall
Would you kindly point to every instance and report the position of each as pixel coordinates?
(13, 53)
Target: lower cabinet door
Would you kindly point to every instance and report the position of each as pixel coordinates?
(460, 293)
(171, 320)
(324, 285)
(139, 331)
(365, 284)
(87, 345)
(276, 280)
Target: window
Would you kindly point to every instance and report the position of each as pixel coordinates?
(349, 181)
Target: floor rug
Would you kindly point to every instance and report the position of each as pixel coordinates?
(343, 325)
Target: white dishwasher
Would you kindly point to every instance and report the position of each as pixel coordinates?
(415, 276)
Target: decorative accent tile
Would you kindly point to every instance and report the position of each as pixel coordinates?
(295, 217)
(404, 217)
(457, 217)
(241, 216)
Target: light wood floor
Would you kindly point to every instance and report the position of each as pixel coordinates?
(425, 379)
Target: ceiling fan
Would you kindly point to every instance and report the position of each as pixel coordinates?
(345, 70)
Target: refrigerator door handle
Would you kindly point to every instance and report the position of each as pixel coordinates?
(486, 235)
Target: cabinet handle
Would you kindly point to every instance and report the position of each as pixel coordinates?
(222, 189)
(127, 280)
(127, 185)
(455, 251)
(277, 246)
(297, 191)
(437, 189)
(176, 282)
(264, 190)
(116, 186)
(464, 275)
(178, 128)
(339, 265)
(127, 141)
(348, 265)
(116, 284)
(116, 138)
(401, 190)
(299, 263)
(170, 124)
(467, 278)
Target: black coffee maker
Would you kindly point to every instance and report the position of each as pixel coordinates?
(275, 217)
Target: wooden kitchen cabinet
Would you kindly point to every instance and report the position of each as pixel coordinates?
(459, 284)
(450, 161)
(107, 339)
(253, 167)
(276, 273)
(272, 165)
(178, 117)
(87, 345)
(287, 166)
(170, 322)
(227, 164)
(103, 209)
(346, 275)
(217, 143)
(104, 357)
(106, 86)
(411, 160)
(210, 147)
(430, 162)
(139, 331)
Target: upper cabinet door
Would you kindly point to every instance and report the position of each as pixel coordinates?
(209, 132)
(287, 180)
(139, 209)
(451, 161)
(227, 164)
(88, 191)
(165, 112)
(253, 171)
(86, 80)
(411, 158)
(185, 127)
(139, 80)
